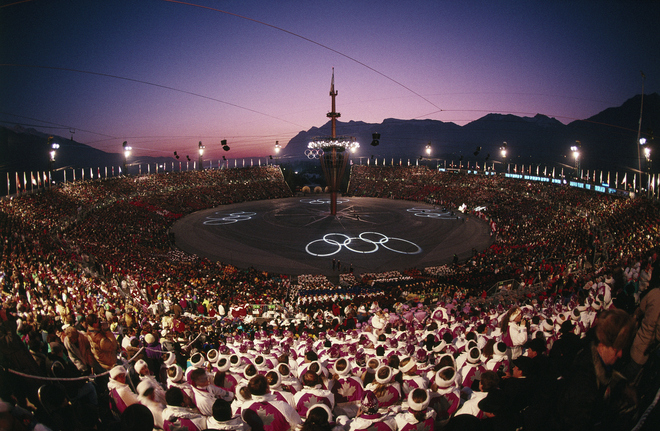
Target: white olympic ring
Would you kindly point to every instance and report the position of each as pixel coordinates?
(430, 213)
(229, 219)
(321, 201)
(313, 153)
(346, 243)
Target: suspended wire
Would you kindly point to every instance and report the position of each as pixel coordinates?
(107, 75)
(310, 41)
(15, 3)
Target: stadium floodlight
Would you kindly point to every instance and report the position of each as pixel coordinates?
(576, 155)
(127, 153)
(277, 147)
(54, 147)
(503, 150)
(201, 148)
(647, 153)
(642, 141)
(428, 149)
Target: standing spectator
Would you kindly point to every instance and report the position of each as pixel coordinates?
(78, 349)
(648, 332)
(514, 331)
(102, 341)
(584, 404)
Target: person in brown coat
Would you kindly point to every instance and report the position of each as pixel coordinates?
(102, 341)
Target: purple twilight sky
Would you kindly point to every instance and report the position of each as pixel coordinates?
(164, 75)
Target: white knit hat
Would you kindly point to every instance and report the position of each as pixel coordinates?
(343, 372)
(223, 363)
(442, 382)
(117, 370)
(409, 365)
(322, 406)
(178, 374)
(143, 386)
(388, 378)
(171, 359)
(140, 365)
(419, 406)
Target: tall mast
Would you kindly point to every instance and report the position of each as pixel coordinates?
(333, 115)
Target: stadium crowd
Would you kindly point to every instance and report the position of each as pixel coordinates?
(135, 334)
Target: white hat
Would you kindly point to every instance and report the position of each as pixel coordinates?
(441, 381)
(278, 380)
(197, 360)
(149, 338)
(388, 378)
(171, 359)
(117, 370)
(343, 372)
(223, 363)
(474, 355)
(213, 356)
(140, 365)
(409, 365)
(178, 375)
(143, 386)
(419, 406)
(322, 406)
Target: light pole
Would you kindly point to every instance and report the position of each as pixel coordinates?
(54, 146)
(127, 154)
(576, 155)
(647, 156)
(201, 153)
(503, 152)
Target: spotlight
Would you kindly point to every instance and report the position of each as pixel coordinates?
(176, 155)
(188, 157)
(224, 145)
(476, 153)
(224, 158)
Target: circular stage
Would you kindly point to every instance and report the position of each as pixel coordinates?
(299, 236)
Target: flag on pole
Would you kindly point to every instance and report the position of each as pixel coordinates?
(625, 178)
(34, 182)
(8, 183)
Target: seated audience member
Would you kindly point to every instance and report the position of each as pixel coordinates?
(319, 418)
(180, 410)
(121, 393)
(276, 415)
(147, 397)
(385, 387)
(206, 393)
(418, 416)
(368, 415)
(312, 389)
(223, 419)
(489, 381)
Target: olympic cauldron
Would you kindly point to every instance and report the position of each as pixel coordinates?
(334, 158)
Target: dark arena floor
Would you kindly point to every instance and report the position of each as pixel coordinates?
(299, 236)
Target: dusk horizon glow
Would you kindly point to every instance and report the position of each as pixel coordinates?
(165, 74)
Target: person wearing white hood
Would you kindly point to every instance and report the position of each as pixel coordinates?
(120, 392)
(206, 393)
(142, 370)
(180, 410)
(147, 397)
(175, 380)
(223, 419)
